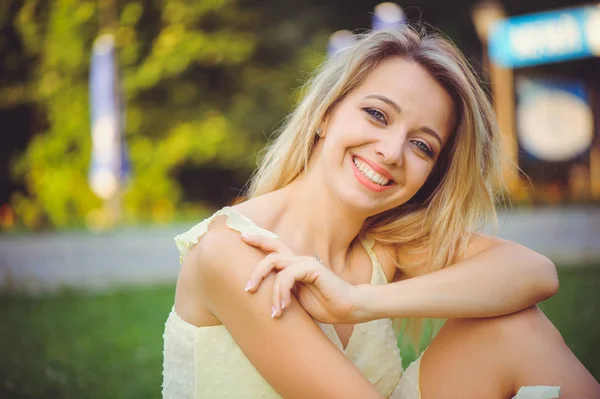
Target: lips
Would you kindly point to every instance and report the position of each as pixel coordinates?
(369, 177)
(375, 167)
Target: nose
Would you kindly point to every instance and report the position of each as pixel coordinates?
(390, 149)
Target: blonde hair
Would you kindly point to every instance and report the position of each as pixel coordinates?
(459, 195)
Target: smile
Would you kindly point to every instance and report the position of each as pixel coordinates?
(370, 178)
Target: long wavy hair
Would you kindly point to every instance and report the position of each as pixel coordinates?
(460, 194)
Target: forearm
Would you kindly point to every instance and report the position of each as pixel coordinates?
(500, 280)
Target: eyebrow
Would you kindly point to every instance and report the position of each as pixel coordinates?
(397, 108)
(433, 134)
(386, 100)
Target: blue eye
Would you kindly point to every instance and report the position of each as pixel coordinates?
(423, 147)
(377, 115)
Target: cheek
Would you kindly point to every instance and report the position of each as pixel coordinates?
(347, 134)
(417, 172)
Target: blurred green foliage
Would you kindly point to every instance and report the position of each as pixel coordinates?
(205, 82)
(199, 91)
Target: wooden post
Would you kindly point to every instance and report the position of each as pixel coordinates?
(485, 15)
(503, 100)
(595, 171)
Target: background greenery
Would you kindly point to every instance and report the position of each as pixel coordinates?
(205, 82)
(110, 346)
(196, 94)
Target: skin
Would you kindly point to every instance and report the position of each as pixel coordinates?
(486, 357)
(500, 355)
(494, 278)
(396, 137)
(322, 211)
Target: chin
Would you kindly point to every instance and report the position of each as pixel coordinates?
(358, 201)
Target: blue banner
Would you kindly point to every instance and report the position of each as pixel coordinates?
(546, 37)
(109, 163)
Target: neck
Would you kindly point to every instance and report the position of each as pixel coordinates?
(317, 222)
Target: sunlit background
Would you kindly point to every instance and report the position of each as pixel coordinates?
(125, 122)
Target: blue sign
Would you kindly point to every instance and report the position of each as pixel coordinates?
(546, 37)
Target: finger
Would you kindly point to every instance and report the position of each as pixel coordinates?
(272, 262)
(278, 287)
(267, 244)
(294, 291)
(261, 271)
(285, 282)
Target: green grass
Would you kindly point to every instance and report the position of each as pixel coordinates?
(574, 312)
(78, 346)
(110, 346)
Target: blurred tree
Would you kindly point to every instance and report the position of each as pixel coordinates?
(205, 82)
(192, 90)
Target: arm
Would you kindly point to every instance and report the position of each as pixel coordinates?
(291, 353)
(495, 277)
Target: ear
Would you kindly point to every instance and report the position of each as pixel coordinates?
(321, 132)
(324, 125)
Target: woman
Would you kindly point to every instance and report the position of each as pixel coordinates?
(394, 143)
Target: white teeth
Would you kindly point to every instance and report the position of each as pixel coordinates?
(370, 173)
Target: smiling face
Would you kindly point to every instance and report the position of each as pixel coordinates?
(384, 138)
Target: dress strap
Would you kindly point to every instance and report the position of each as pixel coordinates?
(378, 276)
(234, 221)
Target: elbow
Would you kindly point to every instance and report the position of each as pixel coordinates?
(546, 278)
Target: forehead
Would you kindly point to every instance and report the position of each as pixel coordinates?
(421, 98)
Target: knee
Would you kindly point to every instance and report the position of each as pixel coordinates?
(509, 332)
(527, 326)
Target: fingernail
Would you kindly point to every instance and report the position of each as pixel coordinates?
(246, 236)
(273, 312)
(248, 286)
(282, 304)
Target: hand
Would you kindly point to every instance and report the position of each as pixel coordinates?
(324, 295)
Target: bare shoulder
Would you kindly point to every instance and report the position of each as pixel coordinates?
(220, 258)
(218, 245)
(215, 259)
(220, 254)
(263, 210)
